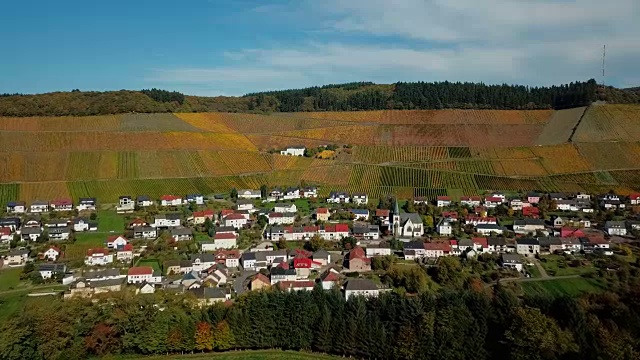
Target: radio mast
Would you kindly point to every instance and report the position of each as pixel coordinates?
(604, 53)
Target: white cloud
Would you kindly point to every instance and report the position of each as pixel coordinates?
(515, 41)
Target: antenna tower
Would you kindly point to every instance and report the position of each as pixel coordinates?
(604, 53)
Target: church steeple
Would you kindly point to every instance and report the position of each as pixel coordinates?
(396, 210)
(395, 225)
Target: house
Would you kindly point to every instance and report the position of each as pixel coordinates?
(54, 223)
(16, 207)
(125, 254)
(418, 200)
(470, 201)
(98, 257)
(360, 287)
(59, 233)
(531, 211)
(533, 197)
(30, 233)
(17, 257)
(281, 218)
(85, 288)
(511, 261)
(322, 257)
(410, 225)
(338, 197)
(47, 271)
(528, 225)
(86, 204)
(244, 204)
(498, 245)
(145, 232)
(181, 234)
(144, 201)
(360, 214)
(116, 242)
(579, 223)
(291, 194)
(595, 244)
(493, 201)
(322, 214)
(451, 216)
(170, 200)
(200, 217)
(282, 208)
(145, 288)
(444, 228)
(259, 282)
(612, 204)
(360, 198)
(571, 245)
(235, 220)
(167, 220)
(383, 216)
(230, 258)
(137, 222)
(558, 222)
(436, 249)
(357, 260)
(382, 249)
(518, 205)
(293, 151)
(618, 228)
(488, 229)
(197, 199)
(527, 246)
(633, 198)
(367, 232)
(125, 205)
(224, 241)
(477, 220)
(296, 285)
(102, 274)
(52, 253)
(202, 262)
(280, 273)
(12, 223)
(330, 279)
(569, 232)
(61, 205)
(248, 260)
(174, 267)
(249, 194)
(309, 192)
(550, 245)
(5, 235)
(567, 205)
(557, 196)
(39, 207)
(443, 201)
(83, 224)
(140, 274)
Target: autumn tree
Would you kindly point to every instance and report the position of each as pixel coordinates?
(203, 337)
(101, 340)
(222, 336)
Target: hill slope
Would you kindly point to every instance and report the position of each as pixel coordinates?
(407, 153)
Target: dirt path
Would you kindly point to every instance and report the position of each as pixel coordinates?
(543, 272)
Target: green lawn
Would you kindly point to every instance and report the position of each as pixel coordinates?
(94, 239)
(202, 237)
(533, 270)
(303, 206)
(559, 287)
(556, 265)
(109, 221)
(9, 278)
(149, 262)
(240, 355)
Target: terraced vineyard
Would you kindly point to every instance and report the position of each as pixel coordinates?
(407, 153)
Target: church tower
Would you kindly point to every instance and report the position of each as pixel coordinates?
(396, 219)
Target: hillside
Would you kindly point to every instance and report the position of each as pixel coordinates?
(403, 152)
(343, 97)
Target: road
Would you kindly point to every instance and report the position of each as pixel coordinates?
(239, 281)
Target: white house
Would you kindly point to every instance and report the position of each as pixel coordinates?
(116, 242)
(512, 261)
(144, 201)
(249, 194)
(293, 151)
(338, 197)
(360, 214)
(330, 279)
(39, 207)
(471, 201)
(235, 220)
(52, 253)
(166, 220)
(285, 208)
(360, 287)
(527, 247)
(378, 250)
(443, 201)
(125, 205)
(488, 229)
(493, 201)
(16, 207)
(410, 225)
(47, 271)
(125, 254)
(82, 224)
(144, 232)
(59, 233)
(444, 228)
(360, 198)
(141, 274)
(98, 257)
(244, 204)
(281, 218)
(202, 262)
(367, 232)
(198, 199)
(528, 225)
(309, 192)
(224, 241)
(86, 204)
(170, 200)
(291, 194)
(617, 228)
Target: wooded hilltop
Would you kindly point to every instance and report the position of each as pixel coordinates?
(341, 97)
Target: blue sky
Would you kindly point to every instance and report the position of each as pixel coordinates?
(218, 47)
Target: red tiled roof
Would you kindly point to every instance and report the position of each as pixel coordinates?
(493, 199)
(342, 228)
(568, 232)
(229, 254)
(634, 196)
(357, 253)
(283, 265)
(55, 248)
(5, 231)
(312, 229)
(471, 198)
(140, 270)
(113, 238)
(128, 247)
(302, 263)
(137, 221)
(322, 211)
(437, 246)
(275, 215)
(453, 242)
(223, 236)
(62, 202)
(262, 278)
(330, 276)
(226, 212)
(382, 212)
(444, 198)
(481, 241)
(170, 197)
(450, 214)
(203, 213)
(234, 217)
(92, 252)
(283, 285)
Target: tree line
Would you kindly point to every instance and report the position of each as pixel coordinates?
(472, 323)
(339, 97)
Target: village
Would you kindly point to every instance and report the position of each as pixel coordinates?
(218, 247)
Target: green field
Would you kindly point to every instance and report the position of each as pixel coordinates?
(562, 287)
(84, 242)
(150, 262)
(9, 278)
(240, 355)
(556, 265)
(109, 221)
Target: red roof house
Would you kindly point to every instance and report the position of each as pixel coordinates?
(382, 212)
(140, 270)
(531, 211)
(568, 232)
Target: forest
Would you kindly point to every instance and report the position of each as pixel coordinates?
(340, 97)
(459, 319)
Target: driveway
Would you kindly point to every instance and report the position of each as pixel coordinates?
(238, 283)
